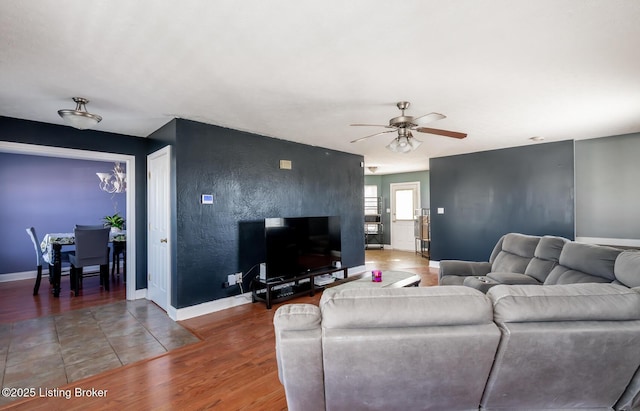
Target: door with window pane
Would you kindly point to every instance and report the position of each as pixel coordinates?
(405, 199)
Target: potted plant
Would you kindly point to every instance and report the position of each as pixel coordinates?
(116, 222)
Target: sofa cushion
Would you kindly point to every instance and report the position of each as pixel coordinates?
(459, 268)
(404, 307)
(517, 251)
(546, 256)
(582, 263)
(573, 302)
(513, 278)
(627, 268)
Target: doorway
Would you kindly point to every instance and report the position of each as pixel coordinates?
(405, 199)
(159, 227)
(129, 160)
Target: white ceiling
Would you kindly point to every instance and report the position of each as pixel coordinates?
(500, 70)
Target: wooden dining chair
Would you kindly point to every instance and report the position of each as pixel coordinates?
(92, 248)
(42, 258)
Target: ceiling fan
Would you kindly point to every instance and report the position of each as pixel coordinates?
(403, 125)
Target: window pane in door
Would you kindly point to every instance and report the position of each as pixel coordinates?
(404, 204)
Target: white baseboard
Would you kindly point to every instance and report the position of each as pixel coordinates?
(434, 264)
(622, 242)
(25, 275)
(224, 303)
(209, 307)
(28, 275)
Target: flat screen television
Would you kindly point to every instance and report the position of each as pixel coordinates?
(299, 245)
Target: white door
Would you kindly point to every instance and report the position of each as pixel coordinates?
(405, 199)
(158, 214)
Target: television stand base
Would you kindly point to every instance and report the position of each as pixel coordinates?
(271, 292)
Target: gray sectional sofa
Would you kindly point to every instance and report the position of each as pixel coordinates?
(526, 259)
(455, 348)
(546, 323)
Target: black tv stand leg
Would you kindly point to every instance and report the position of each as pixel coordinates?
(268, 297)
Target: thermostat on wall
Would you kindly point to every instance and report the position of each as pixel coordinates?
(207, 199)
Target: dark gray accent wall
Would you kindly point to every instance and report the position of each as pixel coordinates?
(31, 132)
(52, 195)
(607, 193)
(242, 172)
(527, 189)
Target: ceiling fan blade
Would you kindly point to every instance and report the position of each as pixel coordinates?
(372, 135)
(428, 118)
(446, 133)
(372, 125)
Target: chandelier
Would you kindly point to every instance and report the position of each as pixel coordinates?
(115, 182)
(80, 118)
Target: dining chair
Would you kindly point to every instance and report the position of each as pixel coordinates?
(92, 248)
(118, 249)
(42, 258)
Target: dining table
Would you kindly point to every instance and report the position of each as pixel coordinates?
(52, 244)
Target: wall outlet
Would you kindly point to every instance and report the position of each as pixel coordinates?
(233, 279)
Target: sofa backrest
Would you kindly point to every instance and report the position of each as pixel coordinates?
(584, 263)
(513, 252)
(563, 346)
(545, 257)
(404, 348)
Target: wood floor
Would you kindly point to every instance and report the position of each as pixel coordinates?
(18, 304)
(233, 368)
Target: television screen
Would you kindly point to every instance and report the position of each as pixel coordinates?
(299, 245)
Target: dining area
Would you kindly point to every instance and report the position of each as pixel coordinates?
(82, 250)
(54, 194)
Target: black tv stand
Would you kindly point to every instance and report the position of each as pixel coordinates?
(272, 291)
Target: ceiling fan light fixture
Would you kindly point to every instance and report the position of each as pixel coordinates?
(80, 118)
(399, 145)
(404, 143)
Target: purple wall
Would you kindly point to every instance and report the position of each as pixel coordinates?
(52, 195)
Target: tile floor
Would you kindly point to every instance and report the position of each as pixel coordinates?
(51, 351)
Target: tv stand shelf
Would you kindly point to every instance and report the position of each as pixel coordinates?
(275, 291)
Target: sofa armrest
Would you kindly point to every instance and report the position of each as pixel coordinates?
(463, 268)
(299, 355)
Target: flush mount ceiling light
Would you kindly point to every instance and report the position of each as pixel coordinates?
(80, 118)
(404, 143)
(373, 169)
